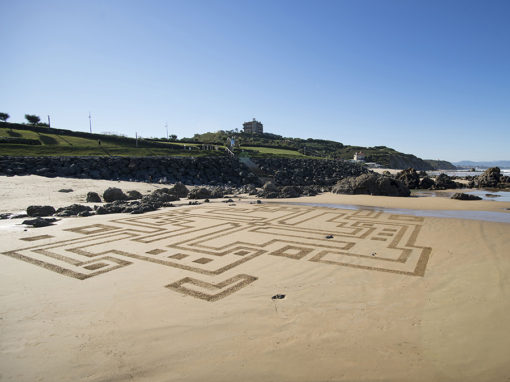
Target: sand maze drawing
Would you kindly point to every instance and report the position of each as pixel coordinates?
(211, 244)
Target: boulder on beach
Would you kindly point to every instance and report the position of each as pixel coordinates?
(444, 182)
(463, 196)
(290, 192)
(73, 210)
(113, 194)
(409, 177)
(134, 195)
(39, 222)
(179, 190)
(269, 191)
(93, 197)
(159, 196)
(371, 184)
(490, 178)
(426, 183)
(35, 211)
(200, 193)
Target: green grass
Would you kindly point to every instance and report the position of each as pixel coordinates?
(68, 145)
(275, 151)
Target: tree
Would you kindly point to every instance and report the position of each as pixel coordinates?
(173, 137)
(4, 117)
(33, 119)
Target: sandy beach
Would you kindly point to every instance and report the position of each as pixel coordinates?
(184, 293)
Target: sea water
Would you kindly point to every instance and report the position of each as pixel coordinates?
(462, 173)
(498, 217)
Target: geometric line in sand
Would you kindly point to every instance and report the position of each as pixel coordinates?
(35, 238)
(214, 240)
(234, 284)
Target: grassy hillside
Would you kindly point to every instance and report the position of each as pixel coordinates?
(21, 140)
(27, 140)
(272, 144)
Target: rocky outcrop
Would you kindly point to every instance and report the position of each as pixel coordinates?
(34, 211)
(73, 210)
(180, 190)
(463, 196)
(409, 177)
(444, 182)
(491, 178)
(159, 197)
(371, 184)
(302, 172)
(426, 183)
(39, 222)
(272, 191)
(134, 195)
(113, 194)
(93, 197)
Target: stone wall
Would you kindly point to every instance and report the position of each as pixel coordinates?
(192, 171)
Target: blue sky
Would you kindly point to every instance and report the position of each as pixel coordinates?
(431, 78)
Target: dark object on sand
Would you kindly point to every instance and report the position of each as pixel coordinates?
(66, 190)
(35, 211)
(112, 194)
(39, 222)
(278, 297)
(462, 196)
(329, 237)
(134, 195)
(73, 210)
(93, 197)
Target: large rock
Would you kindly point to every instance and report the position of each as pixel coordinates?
(409, 177)
(269, 191)
(34, 211)
(426, 183)
(113, 194)
(371, 184)
(290, 192)
(73, 210)
(490, 178)
(39, 222)
(462, 196)
(93, 197)
(179, 190)
(444, 182)
(134, 195)
(200, 193)
(160, 196)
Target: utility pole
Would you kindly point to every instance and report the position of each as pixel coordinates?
(166, 127)
(90, 123)
(49, 123)
(136, 136)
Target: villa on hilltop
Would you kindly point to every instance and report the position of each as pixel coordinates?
(253, 127)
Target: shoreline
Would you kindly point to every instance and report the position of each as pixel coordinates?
(18, 192)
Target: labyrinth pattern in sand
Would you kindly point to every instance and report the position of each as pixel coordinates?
(211, 242)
